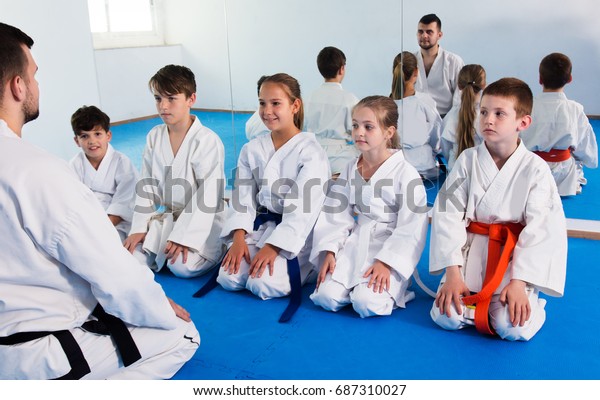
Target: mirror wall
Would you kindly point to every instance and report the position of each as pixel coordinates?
(508, 38)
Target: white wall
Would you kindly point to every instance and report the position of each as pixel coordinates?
(123, 76)
(63, 52)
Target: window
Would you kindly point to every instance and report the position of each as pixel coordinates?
(125, 23)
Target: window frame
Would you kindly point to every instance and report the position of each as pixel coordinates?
(110, 40)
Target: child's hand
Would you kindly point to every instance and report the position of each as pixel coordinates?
(451, 291)
(265, 257)
(519, 309)
(327, 267)
(115, 219)
(237, 251)
(380, 276)
(133, 240)
(180, 311)
(172, 250)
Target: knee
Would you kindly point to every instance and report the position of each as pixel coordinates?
(232, 282)
(451, 323)
(195, 266)
(368, 303)
(266, 288)
(500, 321)
(328, 298)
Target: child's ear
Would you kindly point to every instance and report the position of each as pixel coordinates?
(109, 135)
(570, 78)
(296, 105)
(76, 141)
(524, 123)
(192, 99)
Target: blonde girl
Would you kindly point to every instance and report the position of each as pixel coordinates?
(419, 123)
(459, 130)
(371, 232)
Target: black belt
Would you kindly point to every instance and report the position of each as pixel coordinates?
(293, 269)
(105, 325)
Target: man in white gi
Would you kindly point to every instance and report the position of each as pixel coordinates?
(438, 68)
(73, 302)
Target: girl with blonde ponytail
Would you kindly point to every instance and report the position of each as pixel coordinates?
(419, 123)
(459, 130)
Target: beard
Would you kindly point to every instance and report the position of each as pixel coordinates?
(31, 109)
(426, 46)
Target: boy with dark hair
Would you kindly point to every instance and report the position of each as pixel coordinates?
(107, 172)
(178, 222)
(560, 132)
(498, 227)
(328, 111)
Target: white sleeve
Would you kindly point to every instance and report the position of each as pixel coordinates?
(402, 250)
(126, 178)
(435, 128)
(335, 220)
(193, 229)
(303, 205)
(448, 225)
(540, 256)
(586, 148)
(242, 205)
(146, 192)
(79, 236)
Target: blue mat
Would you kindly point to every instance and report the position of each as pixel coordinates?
(241, 338)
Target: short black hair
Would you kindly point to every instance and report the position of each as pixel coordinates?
(429, 18)
(13, 60)
(329, 61)
(88, 117)
(555, 71)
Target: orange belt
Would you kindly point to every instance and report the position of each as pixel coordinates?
(554, 155)
(497, 263)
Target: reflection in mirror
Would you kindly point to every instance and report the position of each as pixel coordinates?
(512, 41)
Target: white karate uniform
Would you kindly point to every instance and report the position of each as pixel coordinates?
(419, 127)
(560, 123)
(182, 200)
(391, 226)
(64, 257)
(328, 114)
(113, 184)
(523, 191)
(255, 127)
(442, 81)
(449, 143)
(290, 181)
